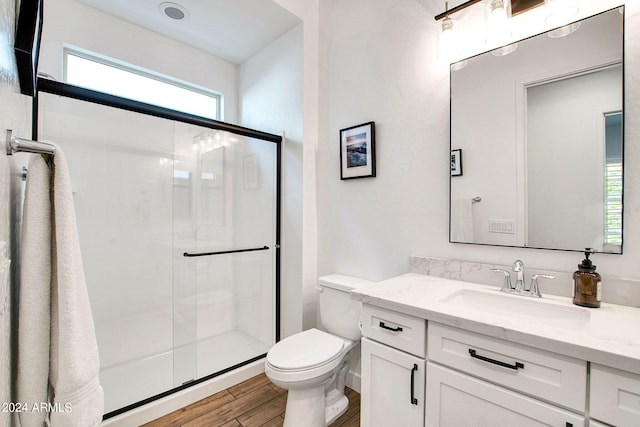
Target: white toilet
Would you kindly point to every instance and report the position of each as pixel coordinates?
(312, 365)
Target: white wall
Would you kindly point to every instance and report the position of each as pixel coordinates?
(271, 100)
(308, 11)
(381, 62)
(69, 23)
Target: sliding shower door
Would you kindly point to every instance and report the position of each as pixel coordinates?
(224, 234)
(178, 233)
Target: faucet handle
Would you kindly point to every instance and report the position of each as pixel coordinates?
(506, 285)
(534, 289)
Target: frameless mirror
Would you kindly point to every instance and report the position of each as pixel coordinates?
(537, 141)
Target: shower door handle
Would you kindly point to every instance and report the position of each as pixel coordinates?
(230, 251)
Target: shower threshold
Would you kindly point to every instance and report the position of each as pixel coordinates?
(138, 381)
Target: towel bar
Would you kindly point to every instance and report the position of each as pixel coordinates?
(17, 145)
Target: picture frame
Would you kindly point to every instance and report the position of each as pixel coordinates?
(27, 44)
(456, 162)
(358, 151)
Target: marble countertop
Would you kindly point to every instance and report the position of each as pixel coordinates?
(607, 335)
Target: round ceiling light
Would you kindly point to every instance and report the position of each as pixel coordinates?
(173, 10)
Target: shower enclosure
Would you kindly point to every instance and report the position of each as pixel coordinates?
(179, 229)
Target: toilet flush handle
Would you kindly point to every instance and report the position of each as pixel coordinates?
(319, 288)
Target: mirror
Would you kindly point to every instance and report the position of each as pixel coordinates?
(537, 141)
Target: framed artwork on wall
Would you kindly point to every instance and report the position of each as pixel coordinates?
(357, 151)
(456, 162)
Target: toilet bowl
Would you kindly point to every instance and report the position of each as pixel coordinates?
(312, 365)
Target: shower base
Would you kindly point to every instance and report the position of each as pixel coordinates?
(136, 380)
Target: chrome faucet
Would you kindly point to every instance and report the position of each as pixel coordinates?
(518, 267)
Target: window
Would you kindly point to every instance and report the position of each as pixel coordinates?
(114, 78)
(613, 180)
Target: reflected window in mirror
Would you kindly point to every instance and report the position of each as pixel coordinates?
(613, 182)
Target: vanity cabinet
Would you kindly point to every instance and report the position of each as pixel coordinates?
(614, 396)
(393, 369)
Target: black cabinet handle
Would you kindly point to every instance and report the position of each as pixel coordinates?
(396, 329)
(515, 367)
(414, 401)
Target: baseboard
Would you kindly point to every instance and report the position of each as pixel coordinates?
(353, 381)
(166, 405)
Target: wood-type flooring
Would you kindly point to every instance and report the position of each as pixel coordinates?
(255, 402)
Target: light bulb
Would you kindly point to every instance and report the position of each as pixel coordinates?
(448, 43)
(560, 12)
(497, 21)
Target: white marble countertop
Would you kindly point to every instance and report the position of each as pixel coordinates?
(610, 334)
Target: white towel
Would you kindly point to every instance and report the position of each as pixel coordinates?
(58, 362)
(462, 220)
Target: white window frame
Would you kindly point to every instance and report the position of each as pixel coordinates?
(130, 68)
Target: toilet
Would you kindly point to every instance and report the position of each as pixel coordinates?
(312, 365)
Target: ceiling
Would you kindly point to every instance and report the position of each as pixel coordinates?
(233, 30)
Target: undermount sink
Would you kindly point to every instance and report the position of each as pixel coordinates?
(520, 308)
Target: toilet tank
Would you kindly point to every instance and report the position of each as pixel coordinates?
(339, 314)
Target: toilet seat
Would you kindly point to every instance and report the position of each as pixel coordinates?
(305, 350)
(305, 355)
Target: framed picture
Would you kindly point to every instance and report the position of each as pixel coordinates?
(456, 162)
(27, 44)
(358, 151)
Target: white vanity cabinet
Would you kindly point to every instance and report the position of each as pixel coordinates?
(614, 396)
(393, 369)
(477, 380)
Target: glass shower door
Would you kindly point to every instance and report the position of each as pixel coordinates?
(224, 234)
(147, 191)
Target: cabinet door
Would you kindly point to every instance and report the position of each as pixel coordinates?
(455, 399)
(392, 389)
(615, 396)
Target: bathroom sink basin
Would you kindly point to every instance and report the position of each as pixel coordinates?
(520, 308)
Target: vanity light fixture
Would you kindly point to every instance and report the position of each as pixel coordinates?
(560, 12)
(449, 48)
(497, 14)
(499, 33)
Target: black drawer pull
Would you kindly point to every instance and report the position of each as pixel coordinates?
(396, 329)
(414, 401)
(515, 367)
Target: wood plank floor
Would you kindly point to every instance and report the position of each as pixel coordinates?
(252, 403)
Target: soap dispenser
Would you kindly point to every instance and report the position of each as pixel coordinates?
(587, 284)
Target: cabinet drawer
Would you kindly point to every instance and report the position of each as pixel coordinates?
(615, 396)
(549, 376)
(398, 330)
(455, 399)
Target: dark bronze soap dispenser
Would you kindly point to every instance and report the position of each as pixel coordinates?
(587, 284)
